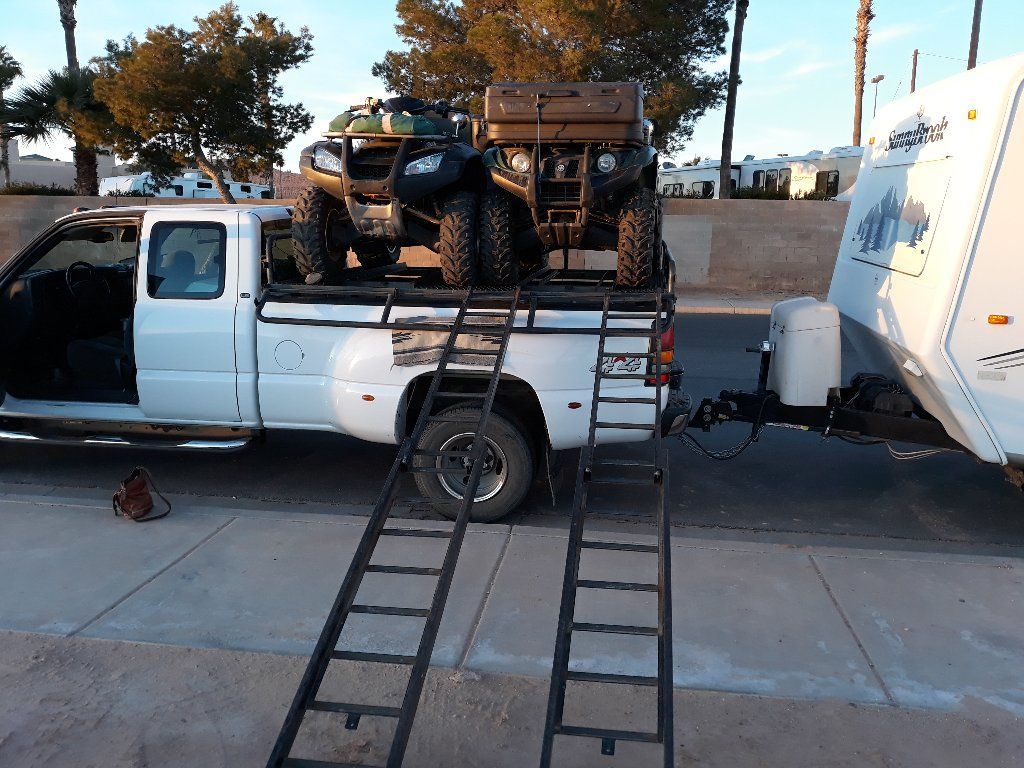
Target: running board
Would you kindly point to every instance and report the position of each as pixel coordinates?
(120, 441)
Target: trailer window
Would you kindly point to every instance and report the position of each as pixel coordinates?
(703, 189)
(187, 260)
(179, 190)
(827, 183)
(771, 180)
(204, 184)
(245, 188)
(758, 180)
(785, 178)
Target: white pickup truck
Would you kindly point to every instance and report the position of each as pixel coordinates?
(155, 326)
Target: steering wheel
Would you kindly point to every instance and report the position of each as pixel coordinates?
(89, 287)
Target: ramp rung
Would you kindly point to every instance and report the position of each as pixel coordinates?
(370, 710)
(601, 677)
(454, 419)
(614, 629)
(621, 463)
(642, 355)
(607, 733)
(629, 586)
(301, 762)
(425, 533)
(633, 400)
(437, 470)
(440, 454)
(467, 395)
(623, 425)
(390, 610)
(622, 481)
(629, 333)
(471, 313)
(625, 547)
(631, 316)
(377, 658)
(631, 376)
(407, 570)
(470, 351)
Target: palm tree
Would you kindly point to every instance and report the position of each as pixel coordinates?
(865, 13)
(725, 179)
(62, 102)
(86, 182)
(10, 70)
(67, 20)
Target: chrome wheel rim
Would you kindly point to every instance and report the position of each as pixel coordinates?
(492, 476)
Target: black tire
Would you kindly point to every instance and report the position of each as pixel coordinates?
(514, 456)
(318, 223)
(639, 238)
(457, 243)
(378, 254)
(499, 264)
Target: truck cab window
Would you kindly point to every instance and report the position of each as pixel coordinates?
(187, 260)
(97, 245)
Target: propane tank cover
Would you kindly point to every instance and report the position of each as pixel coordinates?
(806, 358)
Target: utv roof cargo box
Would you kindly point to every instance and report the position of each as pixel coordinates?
(568, 112)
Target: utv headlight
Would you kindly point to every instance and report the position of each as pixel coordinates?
(326, 161)
(520, 162)
(606, 162)
(427, 164)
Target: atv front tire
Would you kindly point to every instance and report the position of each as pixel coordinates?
(639, 238)
(319, 221)
(498, 262)
(457, 243)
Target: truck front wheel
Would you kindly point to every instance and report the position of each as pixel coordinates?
(507, 472)
(319, 223)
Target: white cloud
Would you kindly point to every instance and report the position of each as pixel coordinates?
(759, 57)
(810, 67)
(887, 34)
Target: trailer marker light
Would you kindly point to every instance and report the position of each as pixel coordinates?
(972, 114)
(871, 140)
(998, 319)
(369, 398)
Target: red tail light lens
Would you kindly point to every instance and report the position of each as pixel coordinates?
(668, 349)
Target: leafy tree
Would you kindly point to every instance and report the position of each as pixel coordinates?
(208, 96)
(10, 70)
(457, 49)
(64, 102)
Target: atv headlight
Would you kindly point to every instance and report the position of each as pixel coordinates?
(606, 162)
(427, 164)
(520, 162)
(326, 161)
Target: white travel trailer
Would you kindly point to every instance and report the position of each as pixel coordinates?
(926, 286)
(189, 185)
(828, 173)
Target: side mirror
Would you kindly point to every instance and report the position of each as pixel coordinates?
(459, 118)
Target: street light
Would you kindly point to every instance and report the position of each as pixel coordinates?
(876, 80)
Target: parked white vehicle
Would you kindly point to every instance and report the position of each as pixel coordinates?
(829, 173)
(926, 285)
(188, 185)
(152, 325)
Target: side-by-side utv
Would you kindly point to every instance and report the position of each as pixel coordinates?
(388, 174)
(571, 166)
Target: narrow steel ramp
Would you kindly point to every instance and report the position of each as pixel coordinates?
(596, 471)
(501, 322)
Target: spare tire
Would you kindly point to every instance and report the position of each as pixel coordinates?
(319, 228)
(457, 242)
(639, 239)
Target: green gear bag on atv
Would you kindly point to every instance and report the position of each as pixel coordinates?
(395, 124)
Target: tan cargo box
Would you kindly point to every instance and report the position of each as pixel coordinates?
(568, 112)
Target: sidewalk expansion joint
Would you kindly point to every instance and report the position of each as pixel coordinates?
(471, 637)
(136, 589)
(846, 620)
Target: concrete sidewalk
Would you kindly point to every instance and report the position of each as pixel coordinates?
(896, 629)
(699, 301)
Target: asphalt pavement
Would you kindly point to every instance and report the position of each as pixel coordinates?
(789, 486)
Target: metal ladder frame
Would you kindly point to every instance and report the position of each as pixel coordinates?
(560, 673)
(344, 604)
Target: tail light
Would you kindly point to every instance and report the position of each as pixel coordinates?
(668, 353)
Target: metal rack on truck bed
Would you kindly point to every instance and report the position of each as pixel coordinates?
(544, 290)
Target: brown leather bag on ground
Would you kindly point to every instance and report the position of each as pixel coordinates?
(134, 499)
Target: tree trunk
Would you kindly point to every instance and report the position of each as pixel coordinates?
(204, 164)
(5, 158)
(725, 177)
(86, 182)
(67, 20)
(865, 14)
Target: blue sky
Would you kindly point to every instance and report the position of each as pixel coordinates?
(797, 91)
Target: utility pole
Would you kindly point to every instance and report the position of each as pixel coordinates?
(972, 56)
(913, 73)
(876, 80)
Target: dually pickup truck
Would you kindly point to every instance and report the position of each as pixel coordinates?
(159, 326)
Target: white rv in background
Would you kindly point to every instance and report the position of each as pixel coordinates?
(830, 173)
(188, 185)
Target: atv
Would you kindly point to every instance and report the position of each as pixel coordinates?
(571, 166)
(390, 173)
